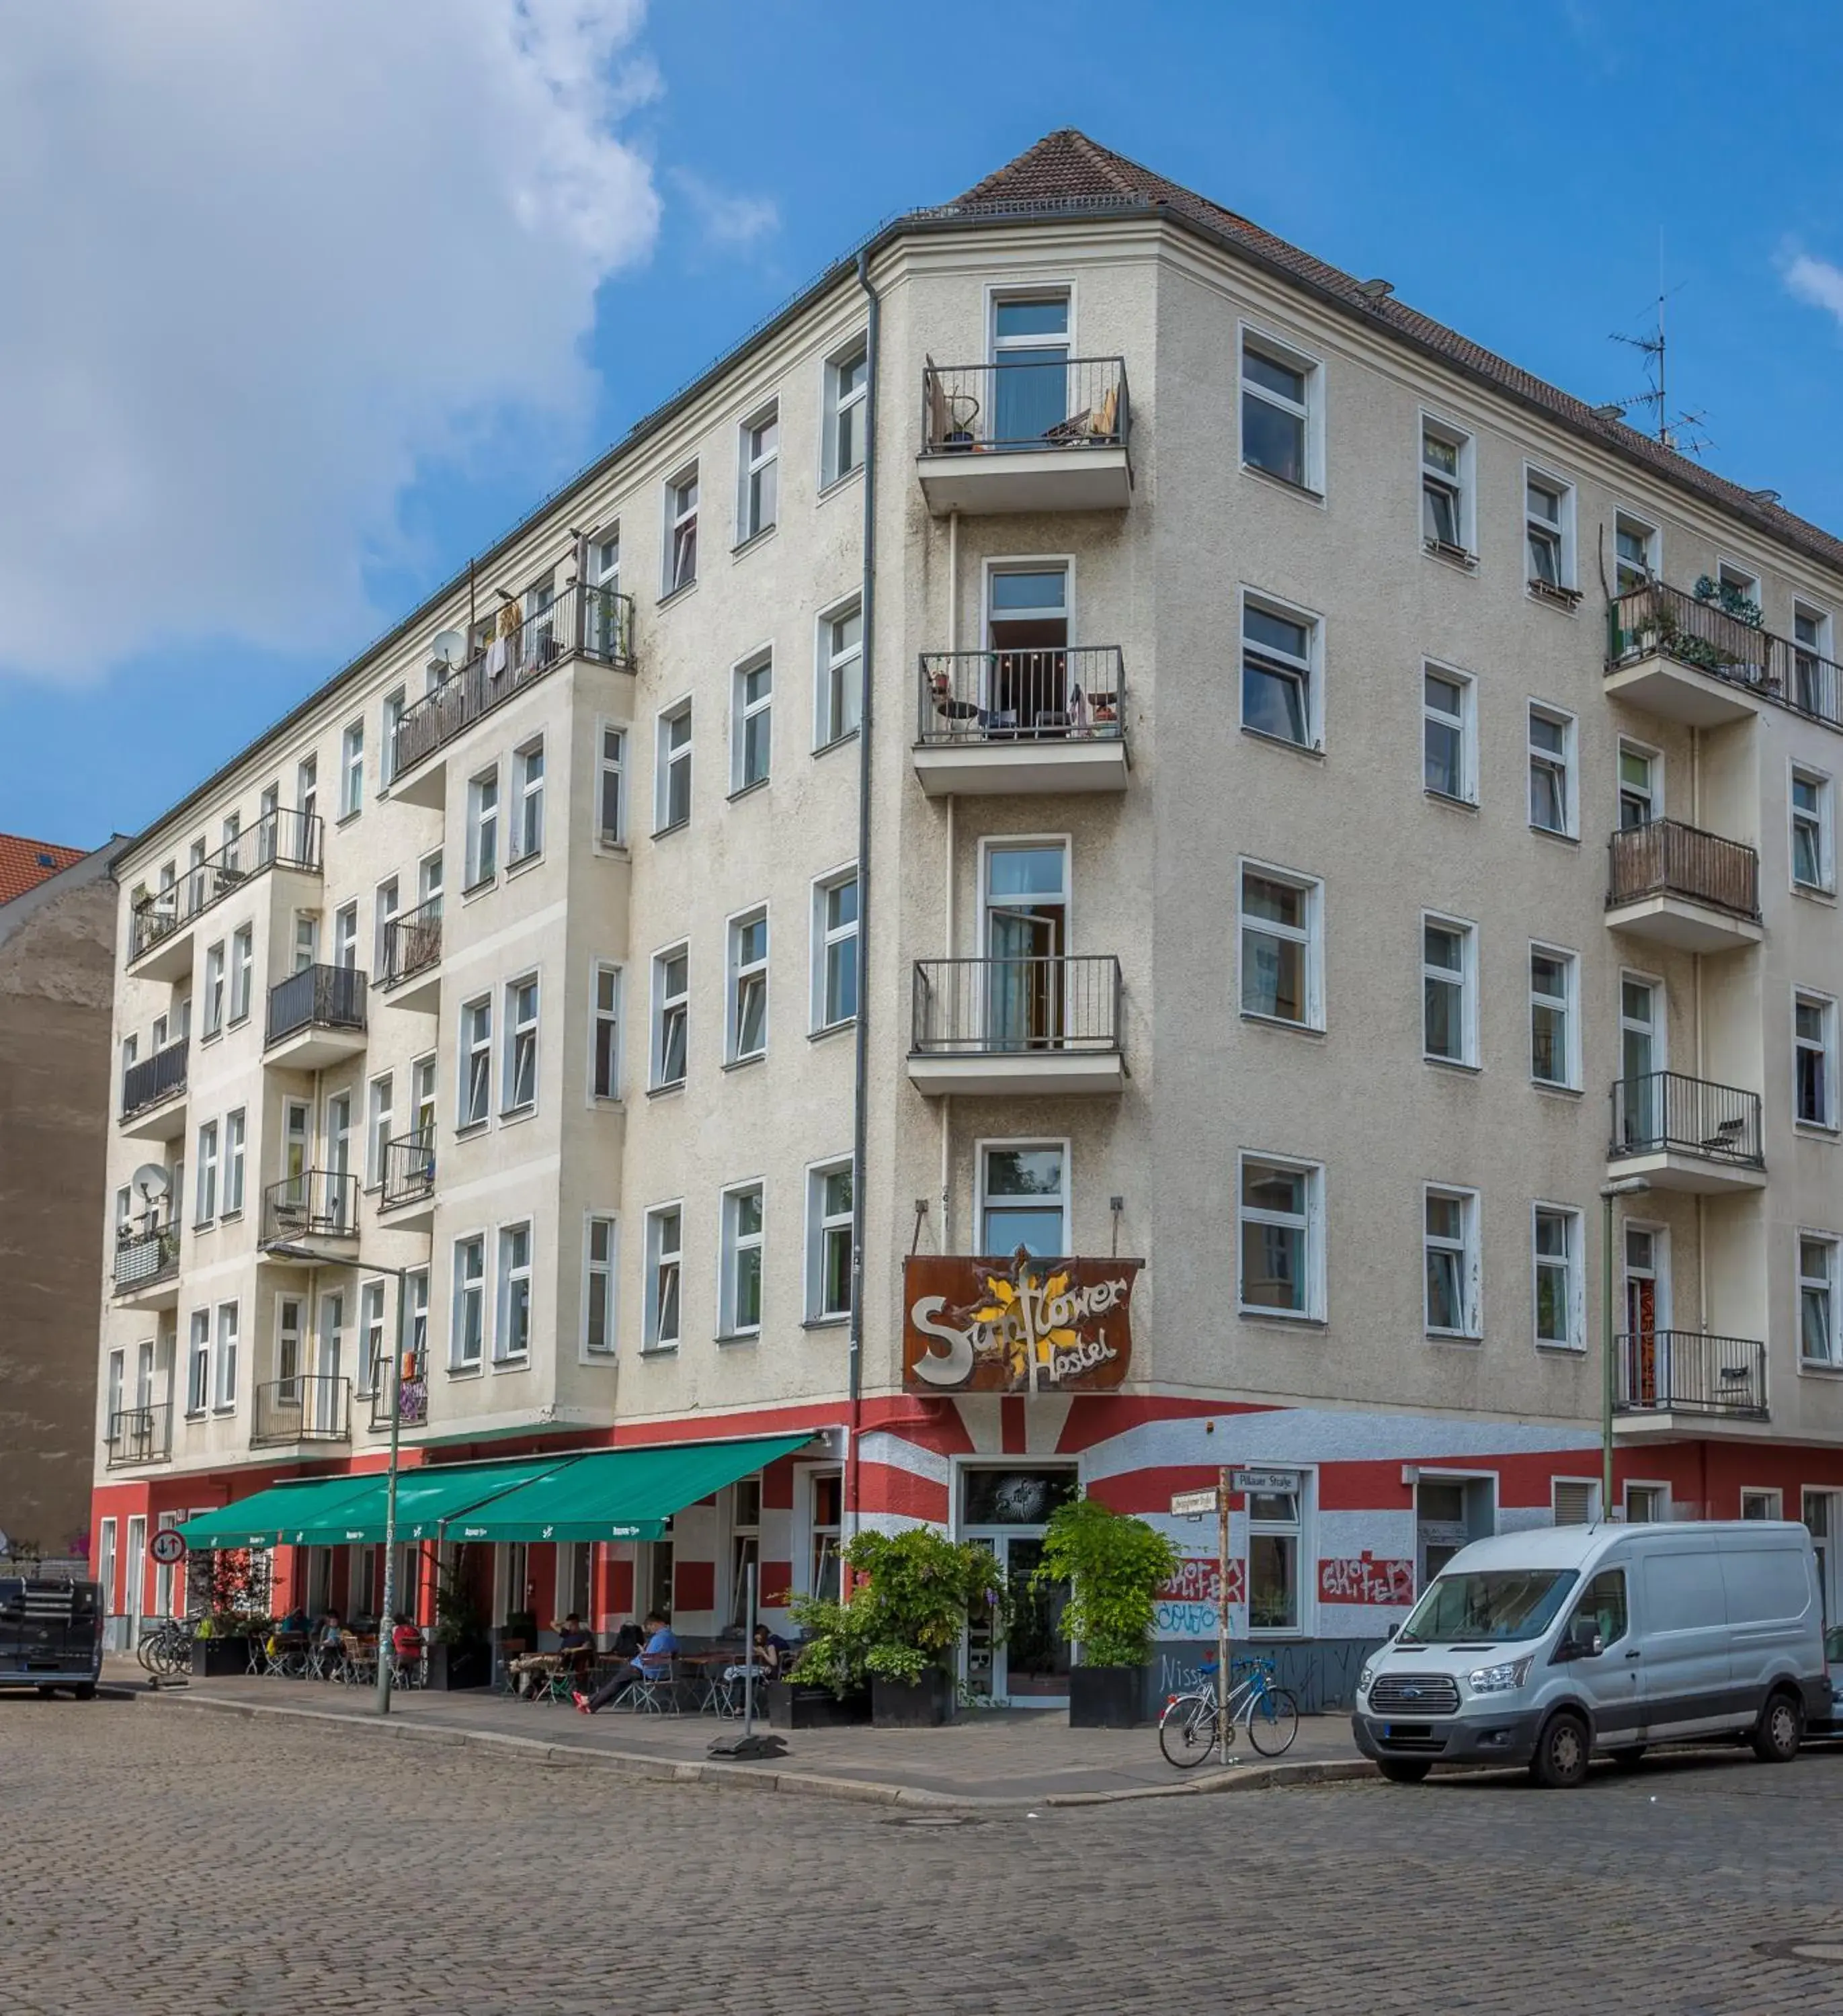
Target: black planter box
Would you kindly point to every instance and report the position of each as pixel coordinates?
(220, 1659)
(1107, 1697)
(453, 1668)
(926, 1705)
(793, 1706)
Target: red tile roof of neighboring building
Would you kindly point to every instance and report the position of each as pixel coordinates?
(25, 863)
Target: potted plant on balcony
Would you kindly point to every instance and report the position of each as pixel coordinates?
(1114, 1565)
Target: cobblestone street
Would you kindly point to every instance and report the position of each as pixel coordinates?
(159, 1860)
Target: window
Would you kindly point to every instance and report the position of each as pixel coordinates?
(1814, 1059)
(483, 827)
(757, 475)
(839, 703)
(604, 1033)
(605, 631)
(1446, 490)
(1551, 765)
(418, 1286)
(671, 1016)
(748, 986)
(610, 788)
(379, 1121)
(384, 910)
(527, 800)
(198, 1382)
(352, 770)
(227, 1339)
(1818, 1335)
(476, 1062)
(1279, 697)
(1813, 846)
(1646, 1504)
(235, 1132)
(598, 1286)
(1279, 395)
(835, 951)
(307, 940)
(745, 1549)
(242, 973)
(822, 1561)
(207, 1172)
(387, 748)
(512, 1334)
(287, 1349)
(1274, 1551)
(847, 384)
(1280, 947)
(1553, 977)
(1814, 675)
(681, 531)
(1560, 1307)
(1024, 1200)
(1641, 776)
(752, 723)
(1448, 734)
(1281, 1220)
(1450, 1239)
(345, 936)
(741, 1313)
(469, 1294)
(214, 988)
(665, 1264)
(371, 1340)
(269, 817)
(1548, 520)
(672, 793)
(828, 1242)
(519, 1084)
(1761, 1504)
(1635, 555)
(194, 875)
(1029, 389)
(1449, 1019)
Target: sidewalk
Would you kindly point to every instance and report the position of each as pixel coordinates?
(1005, 1757)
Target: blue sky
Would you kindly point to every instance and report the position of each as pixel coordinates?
(340, 362)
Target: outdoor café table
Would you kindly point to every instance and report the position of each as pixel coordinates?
(728, 1684)
(536, 1667)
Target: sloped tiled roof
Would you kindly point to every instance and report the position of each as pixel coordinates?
(1066, 169)
(25, 863)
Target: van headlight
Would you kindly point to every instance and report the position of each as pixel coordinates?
(1500, 1679)
(1363, 1679)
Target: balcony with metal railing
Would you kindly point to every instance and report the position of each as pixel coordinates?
(412, 1396)
(1683, 1133)
(153, 1095)
(406, 1190)
(313, 1207)
(1659, 1373)
(316, 1017)
(159, 929)
(1677, 885)
(410, 975)
(1050, 718)
(1704, 659)
(136, 1435)
(1030, 433)
(312, 1407)
(146, 1264)
(1017, 1025)
(584, 621)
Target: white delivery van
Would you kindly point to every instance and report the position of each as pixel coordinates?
(1542, 1646)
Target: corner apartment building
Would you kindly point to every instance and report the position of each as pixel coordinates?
(1090, 737)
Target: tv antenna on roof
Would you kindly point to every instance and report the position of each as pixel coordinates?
(1682, 432)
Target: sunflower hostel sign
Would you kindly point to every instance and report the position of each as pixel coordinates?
(1016, 1326)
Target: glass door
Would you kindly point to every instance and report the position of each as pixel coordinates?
(136, 1568)
(1027, 906)
(1006, 1511)
(1030, 352)
(1646, 1289)
(1640, 1063)
(1027, 641)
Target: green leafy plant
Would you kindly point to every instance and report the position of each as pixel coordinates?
(458, 1621)
(1115, 1565)
(1726, 597)
(905, 1617)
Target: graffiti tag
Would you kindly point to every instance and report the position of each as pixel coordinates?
(1362, 1579)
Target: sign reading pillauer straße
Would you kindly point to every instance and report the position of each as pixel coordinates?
(1016, 1326)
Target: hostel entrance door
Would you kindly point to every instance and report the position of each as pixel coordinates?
(1007, 1510)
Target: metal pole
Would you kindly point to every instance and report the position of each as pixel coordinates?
(1606, 1386)
(748, 1659)
(390, 1508)
(1222, 1613)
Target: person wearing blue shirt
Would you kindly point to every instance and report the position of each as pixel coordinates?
(653, 1661)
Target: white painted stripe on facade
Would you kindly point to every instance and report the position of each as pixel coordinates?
(881, 1446)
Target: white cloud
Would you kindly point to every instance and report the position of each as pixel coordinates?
(263, 258)
(728, 223)
(1817, 282)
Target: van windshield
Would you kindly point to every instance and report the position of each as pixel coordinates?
(1498, 1605)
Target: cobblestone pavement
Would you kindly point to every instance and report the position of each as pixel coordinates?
(155, 1861)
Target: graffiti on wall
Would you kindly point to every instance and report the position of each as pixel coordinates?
(1186, 1606)
(1362, 1579)
(1321, 1674)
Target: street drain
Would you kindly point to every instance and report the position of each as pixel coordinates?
(932, 1820)
(1825, 1953)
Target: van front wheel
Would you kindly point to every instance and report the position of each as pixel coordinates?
(1561, 1761)
(1780, 1729)
(1403, 1770)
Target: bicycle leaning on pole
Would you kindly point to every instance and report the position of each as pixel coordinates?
(165, 1649)
(1189, 1728)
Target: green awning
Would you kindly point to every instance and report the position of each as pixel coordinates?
(266, 1516)
(623, 1494)
(428, 1499)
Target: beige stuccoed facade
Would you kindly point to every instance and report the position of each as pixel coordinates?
(1137, 1130)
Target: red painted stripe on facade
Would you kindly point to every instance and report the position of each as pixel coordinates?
(883, 1488)
(694, 1585)
(1014, 1432)
(777, 1579)
(1090, 1420)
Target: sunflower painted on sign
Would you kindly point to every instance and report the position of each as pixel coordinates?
(1016, 1330)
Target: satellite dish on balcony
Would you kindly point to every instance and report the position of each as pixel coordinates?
(152, 1182)
(449, 648)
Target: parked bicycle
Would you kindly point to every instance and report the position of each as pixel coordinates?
(1187, 1731)
(165, 1648)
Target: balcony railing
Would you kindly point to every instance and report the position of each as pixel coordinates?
(1066, 693)
(317, 1204)
(409, 1170)
(412, 1397)
(1074, 404)
(1710, 637)
(995, 1007)
(1666, 858)
(145, 1256)
(140, 1434)
(1688, 1371)
(289, 839)
(154, 1079)
(584, 621)
(323, 997)
(411, 943)
(1663, 1112)
(312, 1407)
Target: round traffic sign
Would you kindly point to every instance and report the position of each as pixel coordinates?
(168, 1546)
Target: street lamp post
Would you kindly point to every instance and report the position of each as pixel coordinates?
(1627, 1186)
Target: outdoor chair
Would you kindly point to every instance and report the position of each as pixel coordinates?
(655, 1694)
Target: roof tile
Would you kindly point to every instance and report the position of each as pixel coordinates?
(25, 863)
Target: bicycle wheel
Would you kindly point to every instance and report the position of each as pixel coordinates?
(1187, 1731)
(1273, 1722)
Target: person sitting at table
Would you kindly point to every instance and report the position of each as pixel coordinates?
(326, 1638)
(294, 1624)
(767, 1652)
(405, 1640)
(652, 1662)
(576, 1645)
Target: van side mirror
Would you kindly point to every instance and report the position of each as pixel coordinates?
(1584, 1640)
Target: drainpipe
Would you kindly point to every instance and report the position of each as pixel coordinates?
(860, 1090)
(947, 1230)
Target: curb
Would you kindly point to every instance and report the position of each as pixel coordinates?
(861, 1792)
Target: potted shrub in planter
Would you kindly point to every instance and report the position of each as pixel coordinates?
(826, 1687)
(460, 1653)
(1115, 1565)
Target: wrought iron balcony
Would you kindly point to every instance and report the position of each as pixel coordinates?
(145, 1255)
(312, 1407)
(317, 1204)
(1700, 1136)
(1052, 719)
(412, 1397)
(584, 621)
(317, 997)
(411, 944)
(408, 1171)
(139, 1434)
(1027, 434)
(154, 1080)
(1051, 1023)
(1688, 1371)
(280, 838)
(1711, 638)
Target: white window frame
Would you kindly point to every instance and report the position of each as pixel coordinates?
(352, 769)
(733, 1243)
(521, 1060)
(1588, 1486)
(1827, 1003)
(1566, 765)
(740, 976)
(467, 1282)
(827, 938)
(391, 720)
(1575, 1260)
(206, 1201)
(1653, 538)
(514, 1290)
(235, 1144)
(1289, 357)
(607, 1270)
(345, 937)
(528, 802)
(679, 570)
(1653, 791)
(1768, 1502)
(1570, 999)
(198, 1376)
(1311, 668)
(606, 983)
(1461, 485)
(474, 1049)
(982, 1151)
(1566, 588)
(379, 1117)
(1311, 936)
(837, 689)
(1467, 724)
(822, 1230)
(224, 1385)
(758, 474)
(1830, 1282)
(1824, 821)
(837, 404)
(668, 757)
(242, 973)
(1470, 1328)
(482, 861)
(659, 1256)
(745, 714)
(214, 990)
(1311, 1222)
(373, 1342)
(611, 773)
(1467, 982)
(664, 1006)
